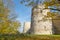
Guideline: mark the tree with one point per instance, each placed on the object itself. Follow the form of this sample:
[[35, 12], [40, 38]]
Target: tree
[[31, 2], [7, 25], [36, 2], [49, 4]]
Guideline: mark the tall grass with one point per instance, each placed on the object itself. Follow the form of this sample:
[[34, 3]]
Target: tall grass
[[28, 37]]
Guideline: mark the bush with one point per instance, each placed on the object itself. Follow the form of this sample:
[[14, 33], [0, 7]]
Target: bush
[[28, 37]]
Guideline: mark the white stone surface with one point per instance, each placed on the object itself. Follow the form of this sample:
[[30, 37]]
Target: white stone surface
[[26, 27], [45, 11], [38, 24]]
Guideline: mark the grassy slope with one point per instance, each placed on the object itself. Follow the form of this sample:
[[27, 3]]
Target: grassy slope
[[29, 37]]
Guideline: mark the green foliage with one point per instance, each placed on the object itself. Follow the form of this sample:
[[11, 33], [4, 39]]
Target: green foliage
[[28, 37], [36, 2], [51, 3], [52, 15], [7, 26], [31, 2]]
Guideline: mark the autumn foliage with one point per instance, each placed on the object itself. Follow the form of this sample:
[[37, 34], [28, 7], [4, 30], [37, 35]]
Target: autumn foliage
[[7, 25]]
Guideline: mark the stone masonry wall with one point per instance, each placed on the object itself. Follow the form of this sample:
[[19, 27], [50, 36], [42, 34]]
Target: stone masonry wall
[[26, 27], [39, 25]]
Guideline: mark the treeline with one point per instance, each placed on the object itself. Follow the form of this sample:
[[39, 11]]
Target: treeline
[[8, 22]]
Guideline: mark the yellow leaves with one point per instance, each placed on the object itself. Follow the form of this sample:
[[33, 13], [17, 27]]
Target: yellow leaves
[[52, 15], [48, 4], [1, 15], [53, 2], [57, 5], [7, 26], [16, 23]]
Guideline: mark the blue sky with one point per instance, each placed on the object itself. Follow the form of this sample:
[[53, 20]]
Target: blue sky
[[23, 13]]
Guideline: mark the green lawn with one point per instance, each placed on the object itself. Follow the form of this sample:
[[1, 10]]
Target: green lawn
[[28, 37]]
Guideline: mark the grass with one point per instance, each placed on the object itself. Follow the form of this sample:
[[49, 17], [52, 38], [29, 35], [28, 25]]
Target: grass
[[28, 37]]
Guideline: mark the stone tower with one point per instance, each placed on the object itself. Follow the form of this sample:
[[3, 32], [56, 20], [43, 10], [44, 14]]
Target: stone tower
[[39, 24], [44, 25], [26, 28]]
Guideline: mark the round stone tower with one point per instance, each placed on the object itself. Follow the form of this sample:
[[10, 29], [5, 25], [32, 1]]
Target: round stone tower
[[39, 23]]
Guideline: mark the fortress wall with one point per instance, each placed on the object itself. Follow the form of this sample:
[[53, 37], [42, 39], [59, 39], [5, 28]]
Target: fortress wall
[[39, 25], [56, 24], [26, 27]]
